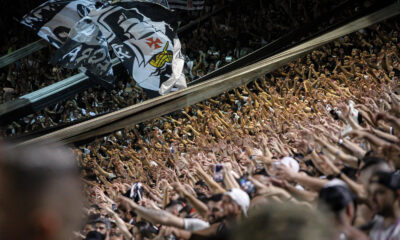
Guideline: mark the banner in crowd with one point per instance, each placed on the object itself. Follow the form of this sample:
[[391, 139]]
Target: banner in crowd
[[186, 4], [86, 48], [54, 19], [142, 36]]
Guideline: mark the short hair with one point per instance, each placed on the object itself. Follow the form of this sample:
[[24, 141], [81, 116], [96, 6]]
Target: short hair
[[390, 180], [284, 222], [262, 171], [371, 160], [201, 196], [146, 229], [336, 198], [350, 172], [215, 198], [92, 218], [105, 221], [201, 183], [32, 169], [41, 176]]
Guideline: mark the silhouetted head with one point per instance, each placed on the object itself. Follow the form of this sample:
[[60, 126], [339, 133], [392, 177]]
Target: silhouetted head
[[40, 195]]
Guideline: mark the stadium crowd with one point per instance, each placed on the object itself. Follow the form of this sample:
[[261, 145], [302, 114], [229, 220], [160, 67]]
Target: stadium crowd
[[228, 35], [319, 135], [309, 151]]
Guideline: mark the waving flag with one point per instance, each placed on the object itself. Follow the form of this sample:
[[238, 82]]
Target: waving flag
[[162, 2], [142, 36], [177, 80], [54, 19], [86, 49]]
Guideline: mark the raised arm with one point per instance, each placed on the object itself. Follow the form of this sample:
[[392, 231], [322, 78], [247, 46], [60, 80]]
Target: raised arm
[[155, 216], [120, 223], [198, 205], [215, 187], [312, 183]]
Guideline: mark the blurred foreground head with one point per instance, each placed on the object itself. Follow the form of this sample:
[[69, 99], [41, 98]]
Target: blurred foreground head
[[285, 222], [40, 195]]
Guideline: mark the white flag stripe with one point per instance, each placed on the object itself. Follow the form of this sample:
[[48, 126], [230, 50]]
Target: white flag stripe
[[177, 81], [145, 47], [65, 14]]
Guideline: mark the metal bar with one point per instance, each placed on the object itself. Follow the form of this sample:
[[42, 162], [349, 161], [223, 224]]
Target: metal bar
[[46, 96], [199, 20], [40, 44], [22, 52], [169, 103], [59, 91]]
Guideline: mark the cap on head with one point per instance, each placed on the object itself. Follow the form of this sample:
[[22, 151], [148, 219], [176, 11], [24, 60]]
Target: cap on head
[[369, 161], [240, 197], [291, 163]]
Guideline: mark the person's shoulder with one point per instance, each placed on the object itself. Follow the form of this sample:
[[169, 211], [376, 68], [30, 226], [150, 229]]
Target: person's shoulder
[[354, 233], [396, 230], [377, 221], [377, 225], [209, 232]]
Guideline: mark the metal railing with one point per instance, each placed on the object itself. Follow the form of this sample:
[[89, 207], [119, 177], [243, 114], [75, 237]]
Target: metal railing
[[159, 106]]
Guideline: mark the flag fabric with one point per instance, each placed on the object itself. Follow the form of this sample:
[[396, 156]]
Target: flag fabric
[[86, 48], [162, 2], [142, 36], [177, 80], [189, 5], [54, 19]]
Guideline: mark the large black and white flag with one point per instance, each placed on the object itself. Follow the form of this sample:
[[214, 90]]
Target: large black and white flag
[[54, 19], [87, 49], [177, 80], [141, 33], [186, 4], [142, 36]]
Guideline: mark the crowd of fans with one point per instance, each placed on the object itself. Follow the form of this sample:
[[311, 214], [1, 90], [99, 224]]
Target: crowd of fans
[[309, 151], [240, 28]]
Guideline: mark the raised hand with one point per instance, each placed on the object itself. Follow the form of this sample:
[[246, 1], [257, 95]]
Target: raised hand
[[284, 172]]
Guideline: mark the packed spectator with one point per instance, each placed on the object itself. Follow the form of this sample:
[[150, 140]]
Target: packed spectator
[[309, 151], [319, 137], [224, 37]]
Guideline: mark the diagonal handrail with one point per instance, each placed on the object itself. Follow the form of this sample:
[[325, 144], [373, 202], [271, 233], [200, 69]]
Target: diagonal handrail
[[41, 43], [172, 102], [22, 52], [38, 100]]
